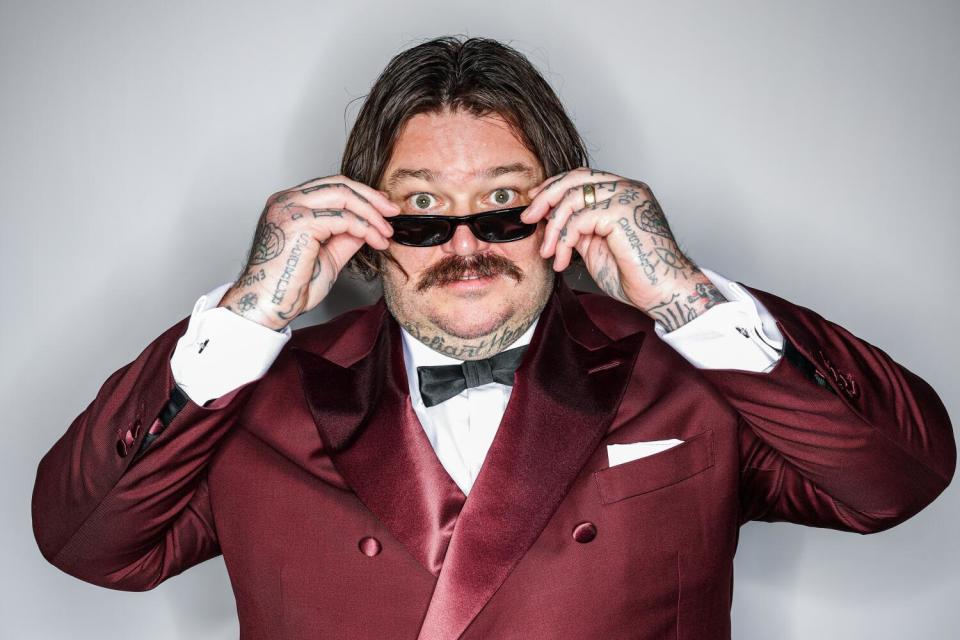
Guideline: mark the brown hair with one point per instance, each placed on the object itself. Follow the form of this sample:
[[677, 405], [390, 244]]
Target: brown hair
[[479, 75]]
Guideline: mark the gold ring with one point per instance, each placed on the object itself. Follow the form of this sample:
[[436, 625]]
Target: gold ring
[[589, 195]]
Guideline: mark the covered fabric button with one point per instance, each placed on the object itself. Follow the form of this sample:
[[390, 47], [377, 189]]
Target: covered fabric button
[[369, 546], [585, 532]]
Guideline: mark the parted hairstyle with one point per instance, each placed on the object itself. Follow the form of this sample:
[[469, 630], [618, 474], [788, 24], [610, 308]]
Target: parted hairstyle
[[478, 75]]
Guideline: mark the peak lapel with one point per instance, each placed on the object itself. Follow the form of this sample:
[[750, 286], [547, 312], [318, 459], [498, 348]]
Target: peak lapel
[[359, 399], [566, 394]]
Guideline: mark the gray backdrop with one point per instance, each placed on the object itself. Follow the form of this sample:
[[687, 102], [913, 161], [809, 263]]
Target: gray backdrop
[[807, 149]]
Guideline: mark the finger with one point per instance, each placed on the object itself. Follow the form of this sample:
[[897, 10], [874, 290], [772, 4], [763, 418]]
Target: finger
[[563, 253], [311, 182], [544, 197], [374, 197], [371, 234], [573, 201], [557, 219], [538, 188], [583, 225], [340, 249], [552, 192], [368, 201], [328, 223], [337, 195]]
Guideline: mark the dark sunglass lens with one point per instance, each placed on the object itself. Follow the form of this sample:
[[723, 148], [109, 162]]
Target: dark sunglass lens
[[502, 227], [417, 232]]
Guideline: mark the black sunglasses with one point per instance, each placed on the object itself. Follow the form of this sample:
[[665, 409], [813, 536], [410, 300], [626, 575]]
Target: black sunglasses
[[502, 225]]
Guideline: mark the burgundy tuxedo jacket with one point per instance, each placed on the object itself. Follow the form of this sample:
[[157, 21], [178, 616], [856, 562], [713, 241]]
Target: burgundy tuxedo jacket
[[336, 520]]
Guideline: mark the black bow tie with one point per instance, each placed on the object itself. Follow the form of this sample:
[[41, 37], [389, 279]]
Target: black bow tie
[[441, 383]]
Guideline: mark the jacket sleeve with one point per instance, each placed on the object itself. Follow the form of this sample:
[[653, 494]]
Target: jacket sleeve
[[119, 515], [836, 434]]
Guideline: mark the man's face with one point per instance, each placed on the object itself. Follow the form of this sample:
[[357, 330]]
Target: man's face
[[455, 164]]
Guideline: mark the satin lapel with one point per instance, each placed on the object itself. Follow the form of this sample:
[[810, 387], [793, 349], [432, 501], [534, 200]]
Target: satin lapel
[[566, 394], [373, 437]]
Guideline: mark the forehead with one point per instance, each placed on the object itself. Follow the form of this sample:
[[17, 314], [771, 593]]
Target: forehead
[[458, 147]]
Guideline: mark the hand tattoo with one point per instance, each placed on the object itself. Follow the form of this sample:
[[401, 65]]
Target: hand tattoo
[[649, 216], [267, 244]]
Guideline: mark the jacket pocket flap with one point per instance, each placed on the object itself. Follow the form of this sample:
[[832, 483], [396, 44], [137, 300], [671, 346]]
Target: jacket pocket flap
[[656, 471]]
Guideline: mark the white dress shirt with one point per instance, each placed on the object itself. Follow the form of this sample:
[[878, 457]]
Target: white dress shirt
[[221, 351], [462, 428]]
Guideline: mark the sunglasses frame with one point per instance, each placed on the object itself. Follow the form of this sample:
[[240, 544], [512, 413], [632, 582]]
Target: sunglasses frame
[[468, 220]]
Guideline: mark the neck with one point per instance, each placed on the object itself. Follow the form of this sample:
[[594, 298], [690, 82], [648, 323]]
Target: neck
[[473, 348]]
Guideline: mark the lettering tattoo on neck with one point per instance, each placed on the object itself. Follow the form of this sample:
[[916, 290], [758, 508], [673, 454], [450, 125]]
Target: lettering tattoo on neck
[[462, 349]]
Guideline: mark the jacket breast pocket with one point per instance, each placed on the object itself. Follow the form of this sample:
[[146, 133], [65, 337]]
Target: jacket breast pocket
[[657, 471]]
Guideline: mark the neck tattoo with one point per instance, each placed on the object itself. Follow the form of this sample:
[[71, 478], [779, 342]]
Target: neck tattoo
[[474, 349]]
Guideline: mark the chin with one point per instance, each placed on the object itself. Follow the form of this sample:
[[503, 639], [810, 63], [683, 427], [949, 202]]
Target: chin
[[472, 321]]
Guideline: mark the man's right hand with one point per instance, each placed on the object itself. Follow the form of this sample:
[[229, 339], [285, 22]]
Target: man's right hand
[[304, 237]]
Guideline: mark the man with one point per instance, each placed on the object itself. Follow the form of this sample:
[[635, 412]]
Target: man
[[610, 446]]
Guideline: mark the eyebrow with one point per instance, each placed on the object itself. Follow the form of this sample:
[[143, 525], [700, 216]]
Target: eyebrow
[[399, 175]]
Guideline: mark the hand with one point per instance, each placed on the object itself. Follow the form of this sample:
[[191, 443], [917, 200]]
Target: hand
[[303, 240], [625, 242]]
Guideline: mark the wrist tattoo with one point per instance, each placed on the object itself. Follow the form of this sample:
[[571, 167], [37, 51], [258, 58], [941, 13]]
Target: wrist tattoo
[[247, 303]]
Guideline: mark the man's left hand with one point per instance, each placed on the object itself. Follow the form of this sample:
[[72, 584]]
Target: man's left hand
[[625, 242]]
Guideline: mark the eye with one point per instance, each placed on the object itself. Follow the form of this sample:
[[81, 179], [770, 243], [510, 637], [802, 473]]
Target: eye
[[421, 200], [503, 196]]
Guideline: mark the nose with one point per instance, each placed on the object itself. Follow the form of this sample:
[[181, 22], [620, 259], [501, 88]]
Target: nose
[[464, 243]]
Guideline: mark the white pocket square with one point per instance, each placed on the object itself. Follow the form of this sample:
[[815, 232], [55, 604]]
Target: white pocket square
[[620, 453]]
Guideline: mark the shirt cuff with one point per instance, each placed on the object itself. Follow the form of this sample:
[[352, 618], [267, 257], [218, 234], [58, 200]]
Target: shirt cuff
[[738, 334], [221, 350]]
